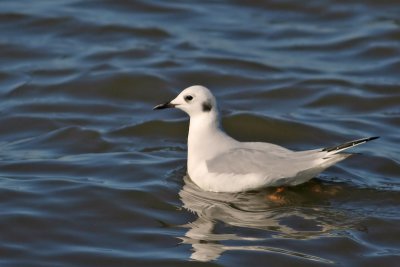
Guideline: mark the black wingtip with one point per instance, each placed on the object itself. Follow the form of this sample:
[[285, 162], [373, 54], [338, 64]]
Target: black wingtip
[[349, 144], [372, 138]]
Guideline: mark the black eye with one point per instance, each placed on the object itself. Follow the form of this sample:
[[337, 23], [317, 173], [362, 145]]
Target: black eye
[[188, 98]]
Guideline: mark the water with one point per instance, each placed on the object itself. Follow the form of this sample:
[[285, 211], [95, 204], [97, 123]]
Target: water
[[91, 176]]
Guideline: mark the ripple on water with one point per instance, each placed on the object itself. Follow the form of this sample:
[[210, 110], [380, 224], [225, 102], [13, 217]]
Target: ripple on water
[[281, 223], [91, 175]]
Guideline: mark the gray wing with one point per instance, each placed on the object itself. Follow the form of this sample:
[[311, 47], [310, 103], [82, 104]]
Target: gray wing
[[249, 160]]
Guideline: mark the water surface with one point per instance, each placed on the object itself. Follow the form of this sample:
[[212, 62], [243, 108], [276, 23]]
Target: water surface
[[91, 176]]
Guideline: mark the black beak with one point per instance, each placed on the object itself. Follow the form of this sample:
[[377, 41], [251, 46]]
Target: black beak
[[165, 105]]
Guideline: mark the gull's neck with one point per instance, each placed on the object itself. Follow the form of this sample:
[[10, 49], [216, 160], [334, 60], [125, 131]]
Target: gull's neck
[[206, 139], [203, 123]]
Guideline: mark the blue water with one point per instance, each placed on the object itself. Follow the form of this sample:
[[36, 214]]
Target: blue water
[[91, 176]]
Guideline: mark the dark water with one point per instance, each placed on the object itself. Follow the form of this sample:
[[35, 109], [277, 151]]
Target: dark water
[[91, 176]]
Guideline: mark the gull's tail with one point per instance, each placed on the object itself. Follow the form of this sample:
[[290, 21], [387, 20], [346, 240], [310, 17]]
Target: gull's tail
[[333, 156], [327, 157], [347, 145]]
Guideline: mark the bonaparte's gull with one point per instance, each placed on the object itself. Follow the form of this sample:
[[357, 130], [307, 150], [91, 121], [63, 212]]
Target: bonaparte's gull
[[217, 162]]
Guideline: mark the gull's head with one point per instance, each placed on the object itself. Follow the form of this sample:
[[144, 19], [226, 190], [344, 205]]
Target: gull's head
[[193, 100]]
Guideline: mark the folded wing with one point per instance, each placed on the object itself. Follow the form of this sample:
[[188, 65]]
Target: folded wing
[[246, 160]]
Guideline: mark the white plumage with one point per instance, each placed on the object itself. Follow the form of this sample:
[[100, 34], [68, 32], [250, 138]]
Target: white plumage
[[219, 163]]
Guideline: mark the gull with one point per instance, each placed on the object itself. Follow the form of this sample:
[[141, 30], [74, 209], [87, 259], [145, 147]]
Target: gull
[[216, 162]]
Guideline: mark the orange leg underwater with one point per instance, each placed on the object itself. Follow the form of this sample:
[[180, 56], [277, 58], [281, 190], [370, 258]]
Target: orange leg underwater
[[277, 196]]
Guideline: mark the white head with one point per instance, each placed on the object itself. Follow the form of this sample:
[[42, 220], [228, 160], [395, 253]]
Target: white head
[[194, 100]]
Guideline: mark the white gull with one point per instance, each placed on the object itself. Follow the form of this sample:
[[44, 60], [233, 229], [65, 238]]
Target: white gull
[[217, 162]]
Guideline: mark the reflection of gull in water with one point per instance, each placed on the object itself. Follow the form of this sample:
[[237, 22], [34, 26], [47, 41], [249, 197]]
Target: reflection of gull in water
[[251, 210]]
